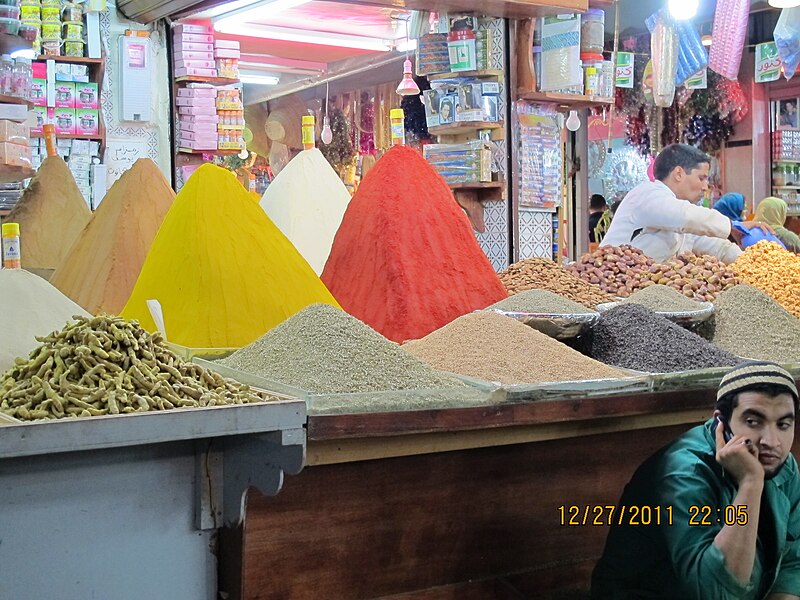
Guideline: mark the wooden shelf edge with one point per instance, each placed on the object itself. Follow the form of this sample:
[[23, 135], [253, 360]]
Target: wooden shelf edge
[[217, 152], [72, 136], [71, 59], [211, 80], [477, 185], [15, 100], [453, 74], [567, 100], [12, 174], [459, 127]]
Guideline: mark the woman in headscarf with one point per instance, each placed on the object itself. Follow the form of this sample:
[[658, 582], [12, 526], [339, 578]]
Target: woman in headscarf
[[731, 205], [773, 211]]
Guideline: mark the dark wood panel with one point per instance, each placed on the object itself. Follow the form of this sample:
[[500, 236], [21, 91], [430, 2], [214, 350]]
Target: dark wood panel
[[329, 427], [395, 526]]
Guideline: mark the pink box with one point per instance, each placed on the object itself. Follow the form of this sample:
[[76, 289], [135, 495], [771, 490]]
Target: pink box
[[228, 44], [87, 121], [195, 72], [39, 70], [183, 47], [196, 102], [17, 133], [41, 113], [197, 93], [201, 136], [196, 126], [64, 121], [194, 38], [87, 96], [193, 56], [39, 92], [226, 53], [15, 154], [65, 94], [192, 28], [197, 110], [209, 144], [195, 64], [200, 118]]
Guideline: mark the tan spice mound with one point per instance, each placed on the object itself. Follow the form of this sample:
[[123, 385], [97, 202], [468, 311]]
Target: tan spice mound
[[544, 274], [100, 270], [51, 215], [490, 346], [774, 271]]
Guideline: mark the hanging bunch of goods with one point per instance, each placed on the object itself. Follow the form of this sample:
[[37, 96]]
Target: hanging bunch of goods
[[340, 152]]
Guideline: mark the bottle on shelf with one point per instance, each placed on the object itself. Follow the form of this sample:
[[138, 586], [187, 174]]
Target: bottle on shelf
[[6, 74]]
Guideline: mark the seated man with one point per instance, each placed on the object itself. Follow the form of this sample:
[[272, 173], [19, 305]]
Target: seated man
[[729, 496]]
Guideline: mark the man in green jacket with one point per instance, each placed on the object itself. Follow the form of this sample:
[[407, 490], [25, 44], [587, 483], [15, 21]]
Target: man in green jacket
[[728, 500]]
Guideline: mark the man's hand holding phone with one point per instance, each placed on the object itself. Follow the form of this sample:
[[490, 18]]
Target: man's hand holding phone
[[737, 454]]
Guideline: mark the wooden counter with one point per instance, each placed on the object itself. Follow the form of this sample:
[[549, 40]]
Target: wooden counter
[[449, 504]]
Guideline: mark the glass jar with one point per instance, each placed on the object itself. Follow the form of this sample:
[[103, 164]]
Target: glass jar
[[6, 74], [21, 78], [778, 177], [593, 31]]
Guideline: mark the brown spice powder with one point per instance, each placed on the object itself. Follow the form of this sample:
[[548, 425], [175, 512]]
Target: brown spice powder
[[490, 346], [100, 270], [51, 215]]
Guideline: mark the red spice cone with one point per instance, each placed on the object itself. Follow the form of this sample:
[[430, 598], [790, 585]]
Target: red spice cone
[[405, 260]]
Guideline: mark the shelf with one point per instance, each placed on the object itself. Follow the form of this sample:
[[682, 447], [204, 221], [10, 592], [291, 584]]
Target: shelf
[[10, 43], [786, 160], [72, 136], [786, 187], [569, 101], [477, 185], [453, 74], [211, 80], [11, 174], [459, 127], [216, 152], [71, 59], [15, 100]]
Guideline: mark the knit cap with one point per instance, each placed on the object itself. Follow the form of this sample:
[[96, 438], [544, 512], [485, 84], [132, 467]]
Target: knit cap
[[750, 373]]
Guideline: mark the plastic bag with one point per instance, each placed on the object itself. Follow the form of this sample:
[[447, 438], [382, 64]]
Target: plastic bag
[[730, 28], [787, 39], [664, 53], [755, 235], [692, 55]]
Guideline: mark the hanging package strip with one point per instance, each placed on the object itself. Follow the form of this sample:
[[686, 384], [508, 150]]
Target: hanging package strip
[[664, 52], [787, 39], [730, 28], [692, 55]]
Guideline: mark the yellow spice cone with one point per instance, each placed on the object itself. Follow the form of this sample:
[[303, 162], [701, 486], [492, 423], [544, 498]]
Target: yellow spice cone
[[222, 271]]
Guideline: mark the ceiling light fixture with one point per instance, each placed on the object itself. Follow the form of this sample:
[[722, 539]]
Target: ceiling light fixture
[[683, 9], [784, 3], [407, 87], [259, 10], [287, 34], [258, 78]]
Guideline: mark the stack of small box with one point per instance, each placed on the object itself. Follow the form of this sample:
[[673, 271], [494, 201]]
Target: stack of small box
[[227, 55], [71, 104], [461, 163], [14, 147], [786, 145], [230, 111], [194, 51], [80, 163], [197, 117]]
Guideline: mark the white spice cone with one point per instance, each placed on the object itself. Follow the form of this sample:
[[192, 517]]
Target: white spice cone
[[307, 201]]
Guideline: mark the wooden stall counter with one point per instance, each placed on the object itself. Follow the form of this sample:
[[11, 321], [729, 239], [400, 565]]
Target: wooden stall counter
[[451, 503]]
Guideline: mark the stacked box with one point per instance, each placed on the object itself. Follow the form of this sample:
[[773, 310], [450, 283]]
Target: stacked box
[[786, 145], [14, 144], [80, 164], [193, 47], [227, 55], [461, 163], [230, 111], [197, 117], [432, 54]]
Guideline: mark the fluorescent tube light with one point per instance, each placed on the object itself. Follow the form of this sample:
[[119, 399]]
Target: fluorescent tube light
[[24, 53], [258, 79], [406, 46], [784, 3], [236, 27], [258, 11]]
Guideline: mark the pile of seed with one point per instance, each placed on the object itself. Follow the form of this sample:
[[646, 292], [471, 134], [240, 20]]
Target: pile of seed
[[540, 301], [324, 350], [616, 270], [701, 277], [492, 347], [106, 366], [544, 274], [750, 323], [634, 337], [662, 298], [774, 271]]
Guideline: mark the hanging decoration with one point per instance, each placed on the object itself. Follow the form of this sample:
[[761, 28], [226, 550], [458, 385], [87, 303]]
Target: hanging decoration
[[728, 33], [366, 127], [664, 53], [787, 39], [692, 56], [415, 123], [624, 169]]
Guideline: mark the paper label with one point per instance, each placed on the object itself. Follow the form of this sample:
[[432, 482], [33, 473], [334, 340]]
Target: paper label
[[768, 62], [698, 81], [624, 70]]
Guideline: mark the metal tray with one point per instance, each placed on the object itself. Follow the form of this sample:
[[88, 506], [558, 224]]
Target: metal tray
[[689, 317], [483, 394], [561, 326], [187, 353]]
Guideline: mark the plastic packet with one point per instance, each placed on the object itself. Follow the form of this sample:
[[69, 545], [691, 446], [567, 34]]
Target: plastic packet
[[664, 53], [787, 39], [692, 55], [730, 28]]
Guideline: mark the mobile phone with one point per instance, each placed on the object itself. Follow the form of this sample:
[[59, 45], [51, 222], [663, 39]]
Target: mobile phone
[[727, 434]]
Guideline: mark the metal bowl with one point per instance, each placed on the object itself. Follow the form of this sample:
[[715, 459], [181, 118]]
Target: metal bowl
[[689, 317], [561, 326]]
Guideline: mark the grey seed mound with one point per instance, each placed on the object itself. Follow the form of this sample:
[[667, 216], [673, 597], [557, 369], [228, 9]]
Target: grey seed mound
[[662, 298], [324, 350], [634, 337], [753, 325], [493, 347], [540, 301]]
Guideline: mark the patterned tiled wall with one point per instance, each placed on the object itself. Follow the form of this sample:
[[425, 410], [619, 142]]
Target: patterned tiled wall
[[495, 240], [535, 234]]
